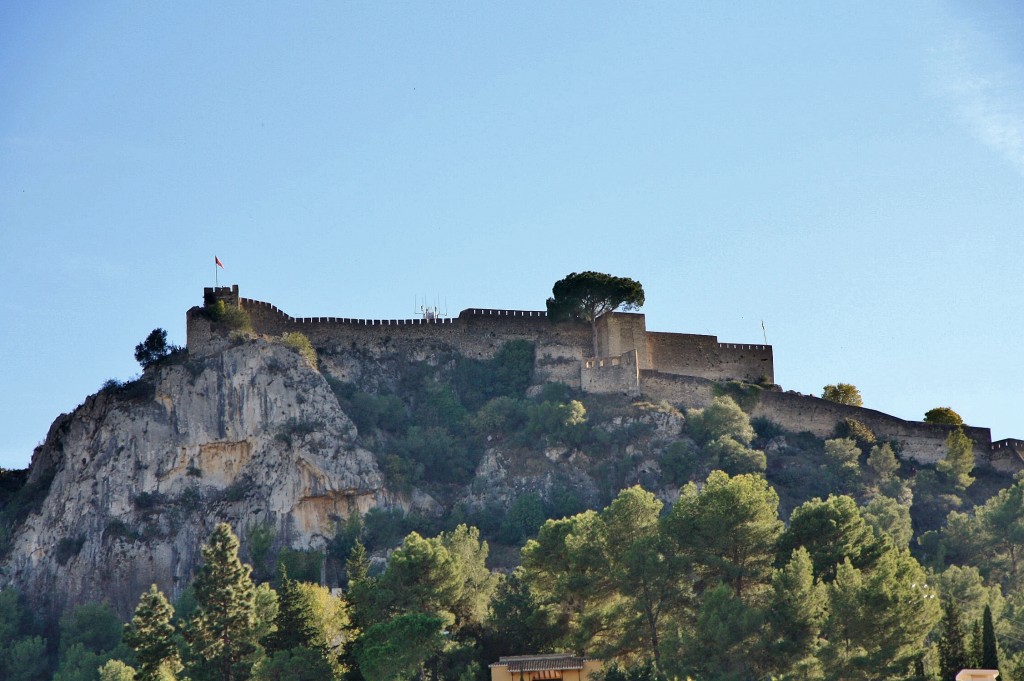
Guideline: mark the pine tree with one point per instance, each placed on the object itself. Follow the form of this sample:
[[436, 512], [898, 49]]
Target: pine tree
[[959, 461], [221, 633], [151, 635], [989, 650], [295, 621], [882, 460], [357, 565], [952, 653]]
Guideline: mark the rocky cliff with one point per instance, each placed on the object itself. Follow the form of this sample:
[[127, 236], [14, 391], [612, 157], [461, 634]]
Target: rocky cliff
[[142, 473]]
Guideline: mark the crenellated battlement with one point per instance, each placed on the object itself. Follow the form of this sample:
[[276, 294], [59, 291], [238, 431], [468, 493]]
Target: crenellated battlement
[[479, 332]]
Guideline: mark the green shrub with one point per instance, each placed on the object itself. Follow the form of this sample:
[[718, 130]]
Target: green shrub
[[555, 392], [560, 422], [299, 342], [854, 429], [723, 418], [959, 460], [734, 458], [294, 429], [438, 407], [564, 501], [766, 429], [68, 548], [401, 473], [842, 393], [882, 460], [842, 456], [524, 518], [119, 529], [237, 491], [746, 395], [501, 415], [259, 539], [385, 412], [680, 462], [145, 501], [943, 415], [230, 317], [384, 528], [507, 374], [441, 457], [190, 499]]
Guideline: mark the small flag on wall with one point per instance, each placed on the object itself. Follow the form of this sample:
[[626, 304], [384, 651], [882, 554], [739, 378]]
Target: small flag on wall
[[218, 262]]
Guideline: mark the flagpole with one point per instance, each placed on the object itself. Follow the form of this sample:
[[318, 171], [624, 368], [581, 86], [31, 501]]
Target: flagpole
[[216, 274]]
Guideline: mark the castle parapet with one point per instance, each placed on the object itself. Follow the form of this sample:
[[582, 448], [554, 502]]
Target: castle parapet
[[619, 374], [479, 332], [226, 294]]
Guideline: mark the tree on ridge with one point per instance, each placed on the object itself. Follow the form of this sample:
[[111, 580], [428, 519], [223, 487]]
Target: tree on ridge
[[588, 295]]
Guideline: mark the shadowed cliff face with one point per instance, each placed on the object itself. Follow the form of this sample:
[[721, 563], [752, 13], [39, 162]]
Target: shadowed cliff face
[[142, 474]]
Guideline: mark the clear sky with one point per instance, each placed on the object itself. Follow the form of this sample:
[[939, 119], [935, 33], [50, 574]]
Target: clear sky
[[851, 173]]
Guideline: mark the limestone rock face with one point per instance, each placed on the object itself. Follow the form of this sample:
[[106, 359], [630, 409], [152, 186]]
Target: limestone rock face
[[142, 474]]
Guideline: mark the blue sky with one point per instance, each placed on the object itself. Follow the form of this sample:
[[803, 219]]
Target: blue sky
[[850, 173]]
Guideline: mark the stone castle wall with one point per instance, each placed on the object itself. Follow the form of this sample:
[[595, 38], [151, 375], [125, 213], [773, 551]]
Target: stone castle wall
[[611, 374], [684, 354], [479, 332], [922, 442], [917, 441]]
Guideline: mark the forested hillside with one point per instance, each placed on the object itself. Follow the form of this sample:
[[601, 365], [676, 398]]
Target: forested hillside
[[490, 516]]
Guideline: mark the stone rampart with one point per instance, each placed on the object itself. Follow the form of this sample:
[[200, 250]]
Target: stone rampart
[[480, 332], [687, 392], [685, 354], [477, 332], [619, 374], [704, 356], [919, 441], [1007, 455]]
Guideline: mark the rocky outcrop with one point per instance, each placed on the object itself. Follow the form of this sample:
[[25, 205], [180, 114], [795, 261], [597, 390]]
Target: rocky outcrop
[[141, 474]]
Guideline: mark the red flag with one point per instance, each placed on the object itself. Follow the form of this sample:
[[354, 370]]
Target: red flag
[[219, 263]]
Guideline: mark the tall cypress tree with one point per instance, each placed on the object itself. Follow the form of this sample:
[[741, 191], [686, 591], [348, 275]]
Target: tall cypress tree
[[952, 651], [151, 635], [974, 647], [222, 632], [989, 650]]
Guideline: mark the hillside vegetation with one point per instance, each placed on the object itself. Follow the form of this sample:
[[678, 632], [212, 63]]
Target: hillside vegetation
[[489, 515]]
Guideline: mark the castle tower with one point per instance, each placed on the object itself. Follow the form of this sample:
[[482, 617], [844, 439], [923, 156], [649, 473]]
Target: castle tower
[[228, 294]]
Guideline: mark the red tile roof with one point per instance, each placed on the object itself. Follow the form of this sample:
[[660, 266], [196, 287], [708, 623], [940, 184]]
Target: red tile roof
[[536, 663]]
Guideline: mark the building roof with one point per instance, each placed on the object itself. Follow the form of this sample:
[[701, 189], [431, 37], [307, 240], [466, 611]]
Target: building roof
[[536, 663]]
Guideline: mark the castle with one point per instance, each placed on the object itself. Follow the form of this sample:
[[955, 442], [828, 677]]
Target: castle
[[684, 369]]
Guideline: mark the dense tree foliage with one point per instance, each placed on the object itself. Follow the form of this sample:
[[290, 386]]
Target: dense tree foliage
[[842, 393], [151, 635], [588, 295], [222, 631], [783, 555], [943, 415], [154, 348], [959, 461]]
